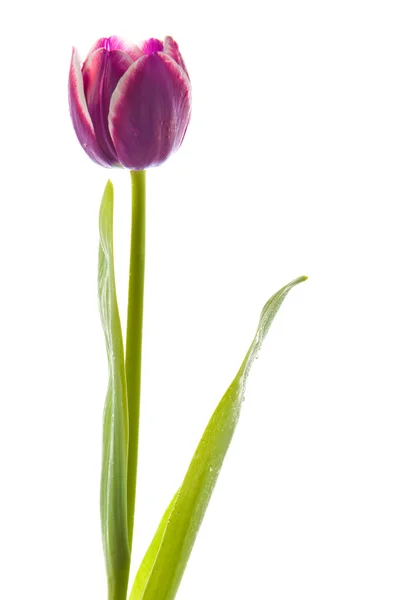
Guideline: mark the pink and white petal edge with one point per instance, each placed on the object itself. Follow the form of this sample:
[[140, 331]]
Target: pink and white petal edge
[[101, 43], [171, 48], [119, 43], [114, 42], [80, 114]]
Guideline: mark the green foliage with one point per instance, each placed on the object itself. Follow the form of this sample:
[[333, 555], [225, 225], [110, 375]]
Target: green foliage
[[113, 499], [161, 571]]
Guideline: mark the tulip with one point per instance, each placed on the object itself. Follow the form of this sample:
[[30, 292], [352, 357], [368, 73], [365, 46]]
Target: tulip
[[130, 105]]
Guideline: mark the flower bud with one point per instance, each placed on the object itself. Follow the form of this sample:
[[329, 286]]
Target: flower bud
[[130, 105]]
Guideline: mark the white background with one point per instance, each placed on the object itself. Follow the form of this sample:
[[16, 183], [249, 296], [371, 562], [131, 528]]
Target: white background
[[290, 166]]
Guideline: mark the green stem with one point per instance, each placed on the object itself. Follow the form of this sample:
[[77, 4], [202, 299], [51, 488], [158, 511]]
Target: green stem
[[134, 333], [118, 587]]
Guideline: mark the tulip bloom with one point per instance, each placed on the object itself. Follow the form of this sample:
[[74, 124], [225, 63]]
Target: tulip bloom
[[130, 105]]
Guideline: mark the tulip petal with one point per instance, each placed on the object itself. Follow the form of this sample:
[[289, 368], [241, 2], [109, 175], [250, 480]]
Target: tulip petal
[[80, 116], [149, 111], [101, 43], [172, 49], [115, 42], [152, 45], [101, 73]]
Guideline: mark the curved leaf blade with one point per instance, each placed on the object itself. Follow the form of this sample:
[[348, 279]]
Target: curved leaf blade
[[162, 568], [113, 494], [144, 573]]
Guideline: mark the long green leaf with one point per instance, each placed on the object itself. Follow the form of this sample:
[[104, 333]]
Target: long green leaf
[[162, 568], [113, 496]]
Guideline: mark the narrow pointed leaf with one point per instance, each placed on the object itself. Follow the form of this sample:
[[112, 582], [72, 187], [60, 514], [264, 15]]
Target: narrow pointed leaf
[[161, 571], [146, 568], [113, 495]]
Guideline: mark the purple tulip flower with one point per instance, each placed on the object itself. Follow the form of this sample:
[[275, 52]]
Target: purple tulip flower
[[130, 105]]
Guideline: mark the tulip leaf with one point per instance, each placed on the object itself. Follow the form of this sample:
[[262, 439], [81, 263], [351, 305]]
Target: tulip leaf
[[162, 568], [113, 495]]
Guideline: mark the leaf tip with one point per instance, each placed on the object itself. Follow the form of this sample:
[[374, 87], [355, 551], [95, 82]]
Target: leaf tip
[[109, 186], [297, 281]]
